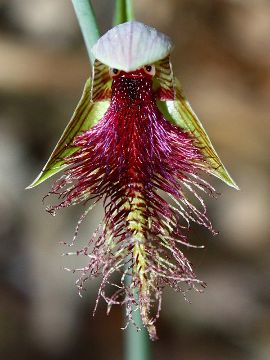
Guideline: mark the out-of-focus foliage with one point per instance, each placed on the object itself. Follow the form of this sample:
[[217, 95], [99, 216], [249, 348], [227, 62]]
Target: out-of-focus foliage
[[222, 59]]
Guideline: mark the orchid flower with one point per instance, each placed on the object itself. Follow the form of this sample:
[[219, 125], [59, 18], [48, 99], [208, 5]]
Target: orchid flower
[[135, 144]]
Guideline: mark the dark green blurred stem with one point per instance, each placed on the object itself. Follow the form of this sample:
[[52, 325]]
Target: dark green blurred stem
[[123, 11], [137, 343], [88, 24]]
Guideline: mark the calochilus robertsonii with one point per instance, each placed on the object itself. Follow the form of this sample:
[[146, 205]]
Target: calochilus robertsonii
[[135, 143]]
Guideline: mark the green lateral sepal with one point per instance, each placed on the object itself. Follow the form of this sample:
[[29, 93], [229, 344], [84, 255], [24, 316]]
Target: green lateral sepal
[[180, 113], [85, 116]]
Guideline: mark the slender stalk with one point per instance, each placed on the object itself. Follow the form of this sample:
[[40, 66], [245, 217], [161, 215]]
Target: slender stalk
[[136, 342], [123, 11], [88, 24]]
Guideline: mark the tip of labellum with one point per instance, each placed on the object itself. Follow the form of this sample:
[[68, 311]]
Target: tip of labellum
[[131, 45]]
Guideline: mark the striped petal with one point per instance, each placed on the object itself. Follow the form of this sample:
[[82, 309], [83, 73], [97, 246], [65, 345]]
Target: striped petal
[[101, 82], [164, 80]]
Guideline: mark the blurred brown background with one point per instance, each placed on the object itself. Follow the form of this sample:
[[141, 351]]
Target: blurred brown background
[[222, 57]]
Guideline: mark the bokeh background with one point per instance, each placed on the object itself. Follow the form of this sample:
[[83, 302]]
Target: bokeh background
[[222, 57]]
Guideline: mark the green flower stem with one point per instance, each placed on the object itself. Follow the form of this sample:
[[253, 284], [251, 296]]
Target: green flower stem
[[123, 11], [136, 342], [88, 24]]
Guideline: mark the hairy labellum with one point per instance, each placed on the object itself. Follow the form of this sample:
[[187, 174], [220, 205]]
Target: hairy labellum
[[129, 159]]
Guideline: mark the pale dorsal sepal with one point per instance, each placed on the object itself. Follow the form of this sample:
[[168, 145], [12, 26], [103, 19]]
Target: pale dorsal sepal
[[131, 45]]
